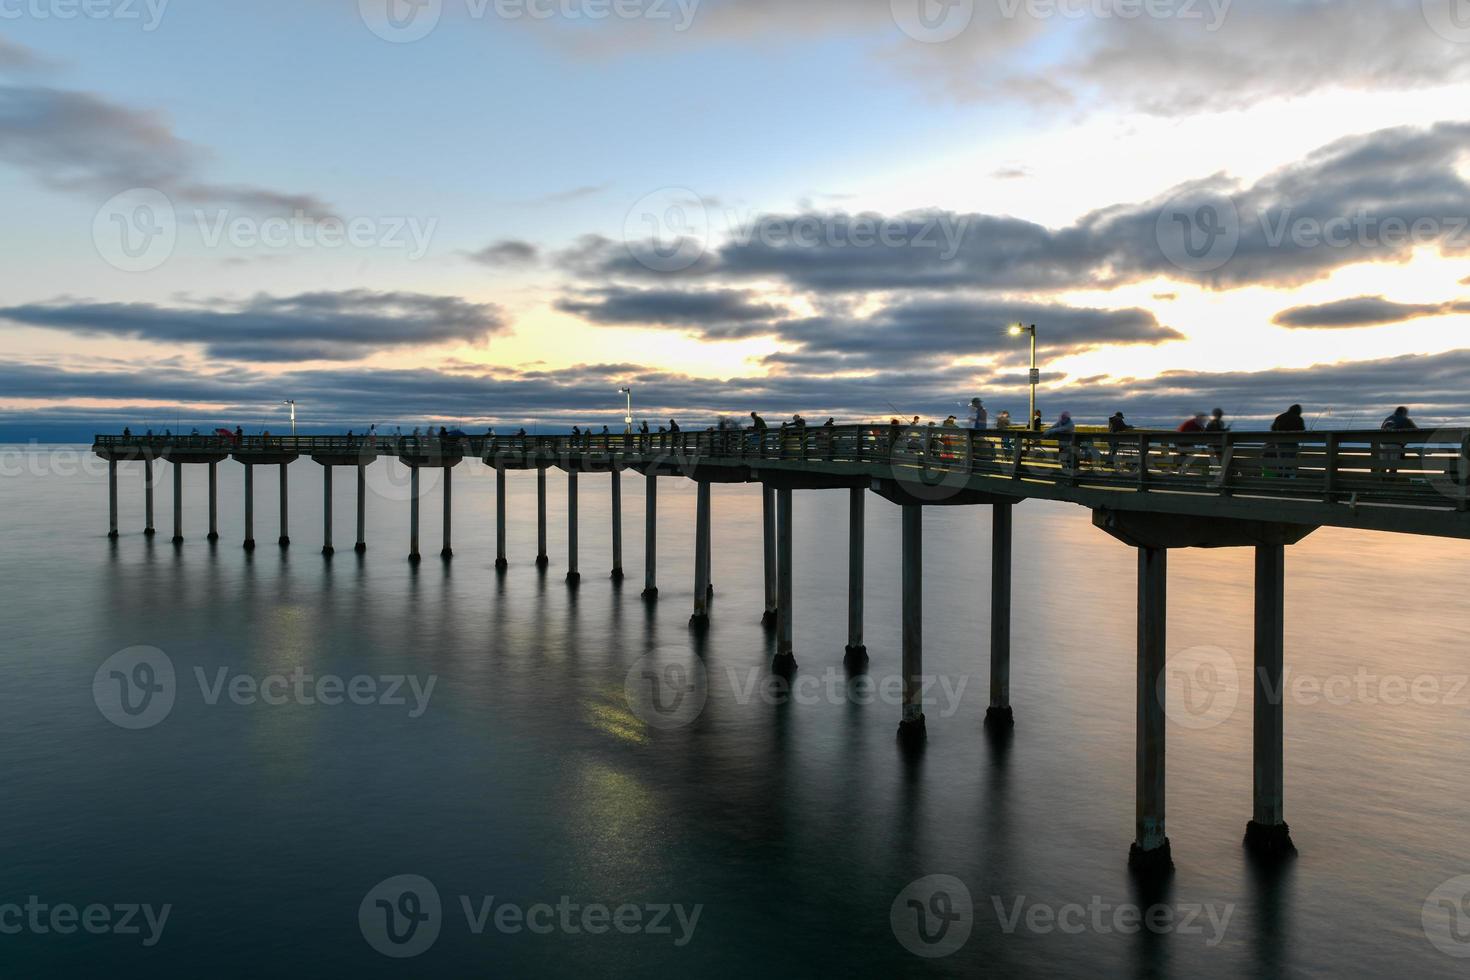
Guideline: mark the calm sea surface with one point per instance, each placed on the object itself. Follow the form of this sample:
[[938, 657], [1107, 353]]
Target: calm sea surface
[[794, 824]]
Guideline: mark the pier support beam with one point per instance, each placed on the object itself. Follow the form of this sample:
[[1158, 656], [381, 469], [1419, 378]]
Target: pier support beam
[[541, 557], [112, 499], [327, 548], [700, 619], [413, 514], [911, 728], [1150, 851], [213, 501], [447, 552], [856, 654], [1267, 835], [249, 506], [178, 503], [999, 714], [768, 527], [285, 540], [573, 575], [148, 498], [617, 524], [785, 657], [650, 537], [501, 562], [361, 546]]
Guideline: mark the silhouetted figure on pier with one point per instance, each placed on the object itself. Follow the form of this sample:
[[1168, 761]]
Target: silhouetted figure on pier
[[127, 433], [1399, 421], [1217, 422], [1036, 424], [979, 417], [1288, 421]]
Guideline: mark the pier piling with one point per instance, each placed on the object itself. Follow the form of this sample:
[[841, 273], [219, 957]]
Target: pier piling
[[148, 497], [650, 537], [768, 528], [413, 514], [361, 546], [700, 618], [617, 524], [285, 540], [178, 503], [249, 507], [1150, 851], [112, 499], [327, 548], [999, 714], [573, 575], [542, 560], [447, 552], [1267, 835], [213, 501], [785, 662], [911, 728], [856, 654], [501, 562]]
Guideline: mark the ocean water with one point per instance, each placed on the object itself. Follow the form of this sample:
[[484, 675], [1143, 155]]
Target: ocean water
[[538, 772]]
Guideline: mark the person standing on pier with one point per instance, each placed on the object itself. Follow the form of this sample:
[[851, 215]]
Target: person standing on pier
[[979, 417], [1288, 421], [1399, 421]]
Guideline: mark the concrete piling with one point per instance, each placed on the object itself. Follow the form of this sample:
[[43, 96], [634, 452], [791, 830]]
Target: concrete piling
[[413, 514], [911, 728], [501, 562], [213, 501], [650, 537], [999, 714], [617, 524], [700, 618], [361, 546], [542, 560], [785, 662], [1150, 852], [768, 528], [112, 499], [178, 503], [447, 552], [573, 575], [856, 654], [285, 540], [1267, 835], [249, 507], [148, 498], [327, 548]]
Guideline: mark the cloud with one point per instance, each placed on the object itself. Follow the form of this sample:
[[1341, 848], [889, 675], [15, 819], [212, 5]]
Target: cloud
[[1362, 311], [719, 314], [19, 58], [573, 194], [340, 326], [80, 142], [507, 253], [1370, 198]]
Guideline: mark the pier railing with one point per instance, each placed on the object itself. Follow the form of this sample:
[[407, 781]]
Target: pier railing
[[1415, 468]]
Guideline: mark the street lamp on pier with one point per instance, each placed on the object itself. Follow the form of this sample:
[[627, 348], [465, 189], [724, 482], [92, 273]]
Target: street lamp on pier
[[292, 403], [1016, 331], [628, 418]]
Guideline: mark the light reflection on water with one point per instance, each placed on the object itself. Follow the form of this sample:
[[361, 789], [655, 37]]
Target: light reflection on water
[[530, 776]]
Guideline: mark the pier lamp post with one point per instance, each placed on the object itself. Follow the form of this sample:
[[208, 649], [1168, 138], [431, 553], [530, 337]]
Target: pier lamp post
[[1016, 331], [628, 418], [292, 403]]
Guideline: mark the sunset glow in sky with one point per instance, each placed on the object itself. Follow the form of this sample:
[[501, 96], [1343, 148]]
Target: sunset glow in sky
[[501, 211]]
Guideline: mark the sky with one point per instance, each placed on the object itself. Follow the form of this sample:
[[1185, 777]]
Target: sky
[[500, 212]]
